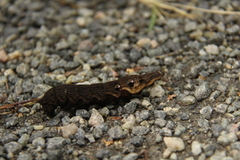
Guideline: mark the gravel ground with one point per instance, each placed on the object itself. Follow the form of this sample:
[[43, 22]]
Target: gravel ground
[[192, 113]]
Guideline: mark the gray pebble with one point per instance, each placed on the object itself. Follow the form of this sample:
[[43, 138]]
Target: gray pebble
[[166, 132], [35, 135], [83, 113], [203, 124], [24, 156], [159, 114], [233, 29], [206, 112], [11, 121], [116, 132], [23, 110], [90, 138], [53, 122], [179, 130], [137, 141], [104, 153], [141, 116], [23, 140], [236, 145], [22, 69], [38, 142], [140, 130], [209, 149], [202, 91], [97, 132], [144, 61], [160, 122], [157, 91], [221, 108], [134, 55], [55, 143], [8, 138], [54, 154], [80, 133], [131, 156], [66, 120], [184, 116], [130, 107], [13, 147], [236, 104], [216, 129], [188, 100], [227, 138], [214, 95], [190, 26]]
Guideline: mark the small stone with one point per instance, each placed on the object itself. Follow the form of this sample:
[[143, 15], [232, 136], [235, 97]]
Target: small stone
[[157, 91], [188, 100], [103, 153], [22, 69], [236, 145], [206, 112], [116, 132], [55, 143], [8, 138], [209, 149], [140, 130], [216, 129], [23, 110], [141, 42], [190, 26], [227, 138], [24, 139], [233, 29], [137, 141], [221, 108], [13, 147], [160, 122], [90, 138], [131, 156], [69, 130], [130, 107], [212, 49], [54, 154], [202, 91], [53, 122], [80, 133], [196, 148], [97, 132], [129, 122], [38, 142], [38, 127], [179, 130], [24, 156], [174, 143], [143, 115], [144, 61], [96, 118], [159, 114], [11, 121], [3, 56]]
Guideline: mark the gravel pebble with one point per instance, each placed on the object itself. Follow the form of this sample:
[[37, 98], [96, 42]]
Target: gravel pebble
[[69, 130], [96, 118], [174, 143], [157, 91], [196, 148], [202, 91], [140, 130], [227, 138], [131, 156], [23, 156], [38, 142], [55, 143], [23, 140], [116, 132], [13, 147], [188, 100]]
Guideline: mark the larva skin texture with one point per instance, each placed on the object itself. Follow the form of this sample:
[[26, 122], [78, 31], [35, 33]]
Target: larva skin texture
[[79, 96]]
